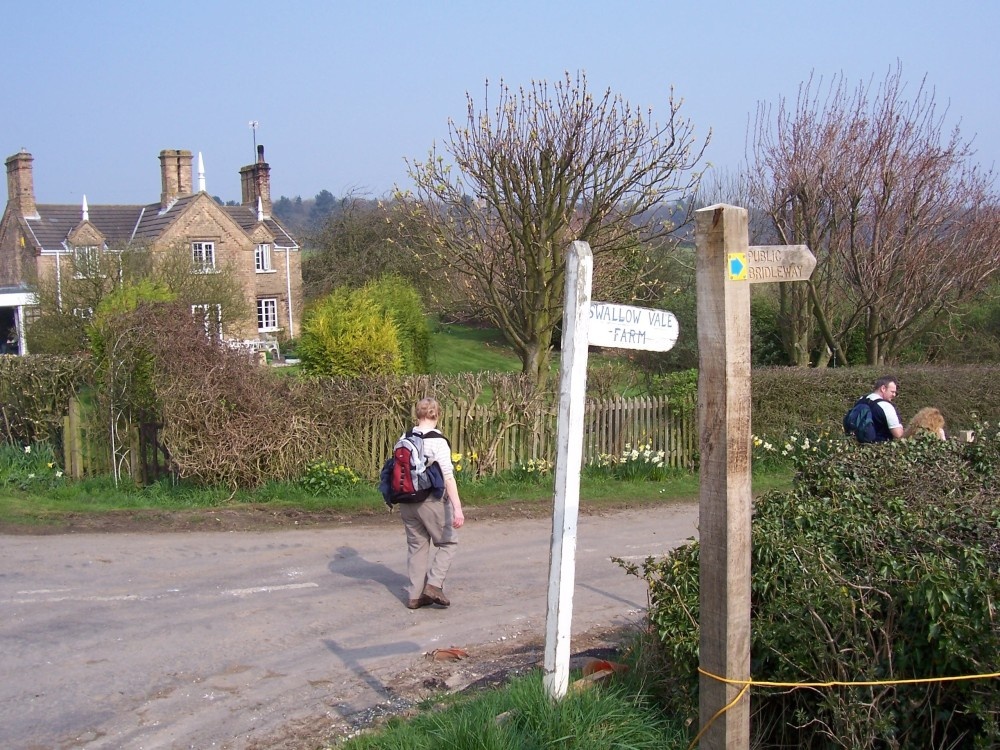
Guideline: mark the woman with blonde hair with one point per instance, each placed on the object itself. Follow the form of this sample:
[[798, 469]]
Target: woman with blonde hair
[[431, 525]]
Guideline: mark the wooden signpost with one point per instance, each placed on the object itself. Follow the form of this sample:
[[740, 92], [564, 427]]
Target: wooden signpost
[[726, 265], [584, 324]]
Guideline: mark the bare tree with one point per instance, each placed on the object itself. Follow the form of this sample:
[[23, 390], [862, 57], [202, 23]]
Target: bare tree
[[902, 223], [537, 169], [354, 246]]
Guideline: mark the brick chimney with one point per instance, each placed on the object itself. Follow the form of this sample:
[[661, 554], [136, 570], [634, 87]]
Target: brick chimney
[[20, 185], [175, 175], [255, 180]]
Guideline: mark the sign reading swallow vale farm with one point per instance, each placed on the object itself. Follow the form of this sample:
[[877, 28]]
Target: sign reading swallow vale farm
[[629, 327]]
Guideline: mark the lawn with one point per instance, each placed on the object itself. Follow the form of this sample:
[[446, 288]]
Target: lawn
[[459, 348]]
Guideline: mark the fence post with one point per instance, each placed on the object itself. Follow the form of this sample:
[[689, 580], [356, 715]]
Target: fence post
[[74, 433]]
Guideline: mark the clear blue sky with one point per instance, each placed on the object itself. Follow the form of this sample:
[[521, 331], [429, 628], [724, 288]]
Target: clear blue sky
[[343, 91]]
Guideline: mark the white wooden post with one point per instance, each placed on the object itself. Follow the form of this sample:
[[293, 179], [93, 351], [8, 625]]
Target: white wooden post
[[584, 323], [569, 457]]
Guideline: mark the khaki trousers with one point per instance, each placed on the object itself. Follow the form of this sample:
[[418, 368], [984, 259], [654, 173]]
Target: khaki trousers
[[428, 523]]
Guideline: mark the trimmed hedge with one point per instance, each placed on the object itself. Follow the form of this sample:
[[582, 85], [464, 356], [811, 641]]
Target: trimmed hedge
[[786, 399]]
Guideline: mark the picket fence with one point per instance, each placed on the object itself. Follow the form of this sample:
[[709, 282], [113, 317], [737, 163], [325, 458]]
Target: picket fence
[[489, 442]]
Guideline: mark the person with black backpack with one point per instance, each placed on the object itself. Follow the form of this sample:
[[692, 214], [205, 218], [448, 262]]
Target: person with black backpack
[[873, 418], [434, 520]]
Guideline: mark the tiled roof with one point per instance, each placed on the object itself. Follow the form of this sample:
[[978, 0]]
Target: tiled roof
[[246, 217], [155, 220], [120, 224], [55, 222]]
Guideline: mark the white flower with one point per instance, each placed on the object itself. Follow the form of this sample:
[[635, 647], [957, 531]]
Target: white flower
[[58, 473], [788, 447], [27, 449]]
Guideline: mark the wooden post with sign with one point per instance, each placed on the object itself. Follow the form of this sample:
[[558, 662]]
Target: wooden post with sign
[[726, 265], [584, 323], [569, 457]]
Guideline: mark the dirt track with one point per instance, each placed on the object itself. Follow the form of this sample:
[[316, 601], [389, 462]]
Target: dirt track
[[280, 639]]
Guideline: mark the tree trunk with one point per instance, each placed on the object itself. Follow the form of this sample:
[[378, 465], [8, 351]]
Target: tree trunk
[[794, 321], [535, 363]]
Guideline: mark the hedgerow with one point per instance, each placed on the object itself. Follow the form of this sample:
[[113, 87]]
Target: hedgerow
[[882, 564]]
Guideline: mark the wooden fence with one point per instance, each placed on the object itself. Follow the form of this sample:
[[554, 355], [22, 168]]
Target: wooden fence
[[499, 441]]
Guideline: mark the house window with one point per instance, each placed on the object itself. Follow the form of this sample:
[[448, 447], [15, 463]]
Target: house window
[[267, 314], [212, 317], [203, 256], [83, 313], [87, 262], [262, 257]]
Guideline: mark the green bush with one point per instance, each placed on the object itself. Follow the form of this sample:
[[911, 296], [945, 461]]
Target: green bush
[[35, 392], [347, 334], [57, 335], [402, 304], [883, 564], [379, 329]]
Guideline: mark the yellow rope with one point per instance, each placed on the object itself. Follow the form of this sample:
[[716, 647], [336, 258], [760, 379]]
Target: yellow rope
[[746, 684], [719, 713], [837, 683]]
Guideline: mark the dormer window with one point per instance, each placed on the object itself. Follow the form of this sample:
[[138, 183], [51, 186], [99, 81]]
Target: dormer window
[[203, 256], [262, 257]]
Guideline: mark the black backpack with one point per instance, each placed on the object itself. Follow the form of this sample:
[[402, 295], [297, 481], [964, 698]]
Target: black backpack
[[866, 421], [404, 477]]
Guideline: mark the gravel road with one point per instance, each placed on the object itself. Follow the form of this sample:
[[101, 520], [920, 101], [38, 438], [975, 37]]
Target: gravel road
[[242, 640]]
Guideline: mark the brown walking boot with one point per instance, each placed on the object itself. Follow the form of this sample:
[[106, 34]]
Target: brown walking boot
[[436, 595]]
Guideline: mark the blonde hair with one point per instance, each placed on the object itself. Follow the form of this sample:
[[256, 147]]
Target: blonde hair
[[927, 419], [428, 408]]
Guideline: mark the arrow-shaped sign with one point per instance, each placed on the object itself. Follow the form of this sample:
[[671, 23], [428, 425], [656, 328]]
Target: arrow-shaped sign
[[769, 263], [737, 267]]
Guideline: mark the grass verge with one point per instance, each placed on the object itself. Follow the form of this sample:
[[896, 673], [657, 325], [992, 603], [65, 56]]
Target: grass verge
[[31, 501], [521, 715]]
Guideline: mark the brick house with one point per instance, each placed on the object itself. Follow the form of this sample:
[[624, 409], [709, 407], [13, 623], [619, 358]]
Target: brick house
[[39, 240]]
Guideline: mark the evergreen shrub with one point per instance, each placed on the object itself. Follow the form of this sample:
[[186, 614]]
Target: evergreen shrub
[[348, 334], [402, 304]]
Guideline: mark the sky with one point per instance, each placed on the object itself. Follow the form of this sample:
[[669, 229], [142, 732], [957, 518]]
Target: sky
[[345, 92]]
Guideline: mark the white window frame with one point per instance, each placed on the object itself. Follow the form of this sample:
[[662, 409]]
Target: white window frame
[[204, 312], [203, 256], [86, 262], [262, 258], [267, 314]]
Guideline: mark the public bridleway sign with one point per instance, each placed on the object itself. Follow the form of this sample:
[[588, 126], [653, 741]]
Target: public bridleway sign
[[762, 264]]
